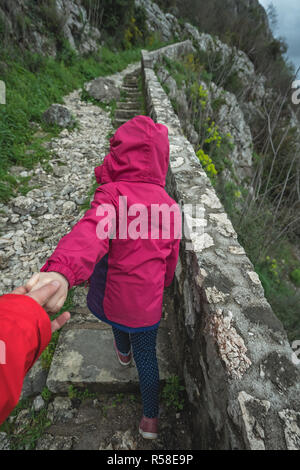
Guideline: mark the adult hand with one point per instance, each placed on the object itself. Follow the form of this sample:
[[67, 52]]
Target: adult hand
[[42, 296], [54, 303]]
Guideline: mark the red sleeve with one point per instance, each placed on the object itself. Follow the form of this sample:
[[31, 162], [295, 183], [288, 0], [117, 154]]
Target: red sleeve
[[172, 262], [25, 331], [79, 251]]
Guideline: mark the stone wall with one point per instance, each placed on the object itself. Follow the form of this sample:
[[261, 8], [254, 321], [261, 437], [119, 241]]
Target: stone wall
[[230, 348]]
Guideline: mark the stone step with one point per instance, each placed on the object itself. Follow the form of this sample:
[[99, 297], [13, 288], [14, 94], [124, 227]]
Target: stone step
[[131, 80], [131, 90], [130, 85], [135, 97], [129, 115], [129, 108], [134, 76], [128, 104], [86, 358], [126, 112], [118, 122]]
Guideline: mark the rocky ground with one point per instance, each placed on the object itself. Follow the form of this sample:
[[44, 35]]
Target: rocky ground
[[99, 406], [86, 400]]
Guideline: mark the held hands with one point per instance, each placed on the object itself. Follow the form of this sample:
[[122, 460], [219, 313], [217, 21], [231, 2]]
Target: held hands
[[55, 302], [42, 296]]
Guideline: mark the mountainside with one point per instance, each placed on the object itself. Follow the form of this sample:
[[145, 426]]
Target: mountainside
[[71, 73], [36, 25]]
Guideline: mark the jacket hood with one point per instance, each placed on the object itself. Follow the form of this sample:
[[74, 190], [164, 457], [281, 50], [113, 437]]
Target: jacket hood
[[139, 152]]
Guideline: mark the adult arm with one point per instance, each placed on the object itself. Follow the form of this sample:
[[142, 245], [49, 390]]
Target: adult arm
[[25, 331]]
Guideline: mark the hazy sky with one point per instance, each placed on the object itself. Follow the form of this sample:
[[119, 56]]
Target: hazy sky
[[288, 25]]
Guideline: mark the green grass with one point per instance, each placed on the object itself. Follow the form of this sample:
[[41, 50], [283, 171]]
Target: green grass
[[141, 98], [275, 269], [295, 277], [33, 83], [81, 395], [284, 300], [47, 354], [172, 393], [31, 428], [87, 204]]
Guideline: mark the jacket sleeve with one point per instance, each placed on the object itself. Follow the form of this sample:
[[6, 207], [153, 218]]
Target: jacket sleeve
[[171, 262], [78, 252], [25, 331]]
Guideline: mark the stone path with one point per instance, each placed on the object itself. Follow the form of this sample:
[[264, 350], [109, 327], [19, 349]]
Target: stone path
[[130, 107], [94, 402], [109, 417]]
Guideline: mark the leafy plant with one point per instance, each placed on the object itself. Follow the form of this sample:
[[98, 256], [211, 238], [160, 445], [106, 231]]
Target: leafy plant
[[295, 277], [31, 426], [73, 392], [119, 398], [207, 164], [47, 354], [172, 393], [53, 19], [46, 394], [132, 34]]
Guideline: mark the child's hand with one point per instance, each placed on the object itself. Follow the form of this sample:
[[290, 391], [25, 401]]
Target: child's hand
[[38, 280], [41, 296]]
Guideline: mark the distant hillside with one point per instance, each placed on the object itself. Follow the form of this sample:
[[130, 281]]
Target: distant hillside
[[240, 23]]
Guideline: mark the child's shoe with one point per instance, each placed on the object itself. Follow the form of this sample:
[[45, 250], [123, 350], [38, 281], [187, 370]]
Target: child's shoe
[[123, 359], [149, 428]]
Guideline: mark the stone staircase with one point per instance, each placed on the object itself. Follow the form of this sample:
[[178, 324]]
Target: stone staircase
[[131, 106], [84, 361], [85, 357]]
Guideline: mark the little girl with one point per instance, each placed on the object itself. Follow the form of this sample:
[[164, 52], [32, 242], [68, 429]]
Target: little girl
[[129, 267]]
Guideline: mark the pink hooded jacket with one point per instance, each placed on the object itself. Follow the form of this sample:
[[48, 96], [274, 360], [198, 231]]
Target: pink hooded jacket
[[127, 274]]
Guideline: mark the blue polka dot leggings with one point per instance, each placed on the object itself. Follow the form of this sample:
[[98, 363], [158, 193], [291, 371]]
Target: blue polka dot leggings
[[144, 353]]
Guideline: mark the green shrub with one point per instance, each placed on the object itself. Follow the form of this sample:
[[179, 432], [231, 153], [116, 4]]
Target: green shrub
[[2, 28], [295, 277], [173, 393], [46, 394], [67, 54], [47, 354], [233, 83], [81, 395], [53, 19]]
